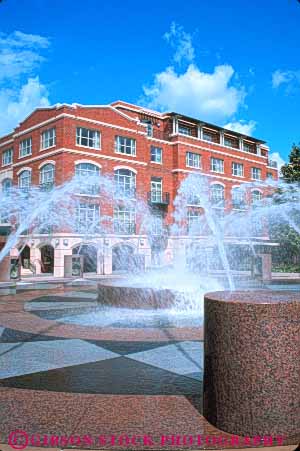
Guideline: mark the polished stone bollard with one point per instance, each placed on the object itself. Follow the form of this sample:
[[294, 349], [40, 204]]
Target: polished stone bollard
[[252, 362]]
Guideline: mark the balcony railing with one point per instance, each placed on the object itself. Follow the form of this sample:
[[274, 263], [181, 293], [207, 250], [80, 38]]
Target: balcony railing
[[158, 198]]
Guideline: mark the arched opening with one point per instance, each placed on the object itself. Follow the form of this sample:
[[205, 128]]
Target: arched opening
[[89, 253], [47, 175], [122, 258], [25, 180], [88, 175], [25, 257], [47, 259], [6, 185]]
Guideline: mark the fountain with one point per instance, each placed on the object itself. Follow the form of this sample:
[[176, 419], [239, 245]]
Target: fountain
[[212, 251]]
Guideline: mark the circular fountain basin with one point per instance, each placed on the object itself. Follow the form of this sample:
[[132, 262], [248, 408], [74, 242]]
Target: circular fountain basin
[[252, 362], [137, 296]]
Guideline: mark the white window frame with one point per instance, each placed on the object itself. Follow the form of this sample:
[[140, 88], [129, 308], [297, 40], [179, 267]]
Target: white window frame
[[157, 223], [238, 198], [156, 190], [191, 160], [194, 218], [211, 135], [217, 195], [25, 147], [184, 130], [256, 196], [87, 216], [125, 183], [124, 143], [45, 170], [7, 157], [124, 220], [156, 155], [93, 138], [255, 173], [48, 138], [91, 170], [21, 179], [237, 169], [5, 188], [217, 165]]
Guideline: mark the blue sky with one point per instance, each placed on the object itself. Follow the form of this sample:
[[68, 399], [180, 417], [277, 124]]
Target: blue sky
[[233, 63]]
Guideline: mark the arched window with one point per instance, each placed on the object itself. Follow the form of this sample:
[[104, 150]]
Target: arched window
[[89, 177], [47, 175], [25, 179], [125, 181], [217, 195], [256, 196], [6, 185], [238, 198]]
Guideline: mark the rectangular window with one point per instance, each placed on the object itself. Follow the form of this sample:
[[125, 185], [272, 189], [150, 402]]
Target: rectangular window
[[193, 160], [87, 138], [124, 220], [25, 147], [149, 125], [249, 147], [48, 138], [183, 130], [210, 136], [238, 169], [231, 142], [156, 189], [238, 198], [194, 222], [217, 165], [270, 176], [256, 174], [156, 154], [157, 224], [125, 145], [87, 218], [7, 157], [125, 184]]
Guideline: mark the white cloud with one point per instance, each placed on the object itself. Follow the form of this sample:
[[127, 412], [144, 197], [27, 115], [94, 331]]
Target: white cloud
[[211, 96], [288, 77], [182, 42], [20, 54], [16, 105], [20, 88], [275, 156], [19, 39], [243, 127]]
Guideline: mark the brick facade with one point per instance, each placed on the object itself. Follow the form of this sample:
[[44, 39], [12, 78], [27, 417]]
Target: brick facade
[[175, 134]]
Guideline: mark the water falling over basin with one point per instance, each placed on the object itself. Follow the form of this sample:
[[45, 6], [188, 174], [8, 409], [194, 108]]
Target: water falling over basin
[[154, 301]]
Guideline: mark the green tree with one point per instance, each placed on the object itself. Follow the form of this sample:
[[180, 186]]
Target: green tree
[[286, 256], [291, 170]]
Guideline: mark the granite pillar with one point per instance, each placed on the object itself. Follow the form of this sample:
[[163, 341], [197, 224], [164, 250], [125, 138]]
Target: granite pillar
[[252, 362]]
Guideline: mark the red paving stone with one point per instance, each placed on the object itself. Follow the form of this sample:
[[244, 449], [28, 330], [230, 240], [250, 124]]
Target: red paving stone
[[60, 413]]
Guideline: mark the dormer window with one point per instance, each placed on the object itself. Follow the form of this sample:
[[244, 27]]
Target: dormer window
[[211, 136], [249, 147], [230, 141], [183, 130]]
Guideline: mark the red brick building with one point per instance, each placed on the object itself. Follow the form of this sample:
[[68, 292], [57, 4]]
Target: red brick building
[[148, 153]]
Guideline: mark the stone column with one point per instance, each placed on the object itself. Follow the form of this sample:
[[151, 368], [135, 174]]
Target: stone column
[[252, 362]]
